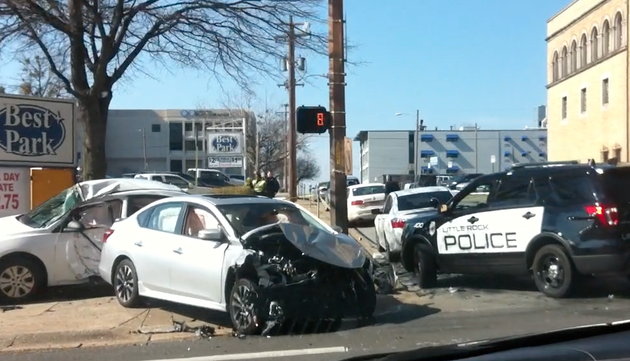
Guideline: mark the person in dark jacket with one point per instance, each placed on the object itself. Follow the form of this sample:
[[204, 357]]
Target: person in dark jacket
[[391, 186], [272, 185]]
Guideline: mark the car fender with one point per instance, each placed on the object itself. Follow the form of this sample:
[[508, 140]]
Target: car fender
[[543, 238]]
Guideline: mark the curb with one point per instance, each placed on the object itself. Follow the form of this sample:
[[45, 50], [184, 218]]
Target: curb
[[94, 338]]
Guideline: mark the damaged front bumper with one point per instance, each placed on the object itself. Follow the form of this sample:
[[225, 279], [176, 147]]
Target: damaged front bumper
[[303, 285]]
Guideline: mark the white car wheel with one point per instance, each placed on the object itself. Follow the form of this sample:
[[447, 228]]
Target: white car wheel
[[126, 284], [20, 279]]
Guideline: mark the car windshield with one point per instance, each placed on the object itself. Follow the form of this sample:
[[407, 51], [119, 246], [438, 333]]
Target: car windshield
[[52, 210], [245, 217], [422, 200], [368, 190]]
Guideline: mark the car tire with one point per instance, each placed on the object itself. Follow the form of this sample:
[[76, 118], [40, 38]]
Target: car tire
[[244, 317], [425, 268], [20, 280], [126, 284], [553, 282]]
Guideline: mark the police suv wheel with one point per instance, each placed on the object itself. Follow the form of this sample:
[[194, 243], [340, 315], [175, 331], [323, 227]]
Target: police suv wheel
[[553, 272], [425, 268]]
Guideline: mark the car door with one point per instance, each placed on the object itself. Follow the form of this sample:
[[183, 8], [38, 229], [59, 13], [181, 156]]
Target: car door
[[381, 219], [519, 214], [197, 264], [461, 237], [153, 244], [80, 251]]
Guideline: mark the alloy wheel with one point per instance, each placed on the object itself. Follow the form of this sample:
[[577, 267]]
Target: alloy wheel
[[124, 283], [17, 281]]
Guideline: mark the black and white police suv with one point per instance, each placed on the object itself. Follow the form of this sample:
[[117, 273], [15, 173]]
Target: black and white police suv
[[555, 221]]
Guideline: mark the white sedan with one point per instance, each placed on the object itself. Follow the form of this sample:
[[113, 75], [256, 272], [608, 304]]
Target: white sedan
[[400, 206], [363, 199], [264, 261], [58, 242]]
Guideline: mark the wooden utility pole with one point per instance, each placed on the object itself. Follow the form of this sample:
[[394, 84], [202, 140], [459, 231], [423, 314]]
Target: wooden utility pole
[[337, 84], [292, 141]]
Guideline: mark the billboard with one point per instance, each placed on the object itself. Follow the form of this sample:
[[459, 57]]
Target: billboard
[[225, 143], [37, 132]]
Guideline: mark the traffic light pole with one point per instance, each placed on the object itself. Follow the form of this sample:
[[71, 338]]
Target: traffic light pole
[[337, 84]]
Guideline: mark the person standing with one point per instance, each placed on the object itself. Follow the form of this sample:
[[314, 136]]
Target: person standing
[[260, 184], [391, 186], [273, 186]]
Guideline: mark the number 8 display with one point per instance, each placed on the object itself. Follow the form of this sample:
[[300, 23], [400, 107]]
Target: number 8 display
[[320, 119]]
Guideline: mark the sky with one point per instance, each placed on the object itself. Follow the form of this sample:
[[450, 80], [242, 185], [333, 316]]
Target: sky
[[459, 62]]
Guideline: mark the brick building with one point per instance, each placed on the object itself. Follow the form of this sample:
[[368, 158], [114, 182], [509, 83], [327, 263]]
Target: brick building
[[587, 77]]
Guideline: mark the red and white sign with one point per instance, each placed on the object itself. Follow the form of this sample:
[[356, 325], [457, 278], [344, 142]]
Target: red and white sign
[[15, 191]]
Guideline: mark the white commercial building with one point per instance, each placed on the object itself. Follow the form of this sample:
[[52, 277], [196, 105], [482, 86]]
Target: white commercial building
[[179, 139]]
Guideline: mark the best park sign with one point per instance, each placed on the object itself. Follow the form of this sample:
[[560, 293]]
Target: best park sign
[[36, 132]]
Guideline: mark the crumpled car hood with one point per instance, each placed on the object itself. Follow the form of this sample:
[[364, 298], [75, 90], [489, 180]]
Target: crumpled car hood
[[336, 249]]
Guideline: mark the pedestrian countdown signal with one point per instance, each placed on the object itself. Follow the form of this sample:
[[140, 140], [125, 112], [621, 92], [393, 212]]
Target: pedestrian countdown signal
[[312, 120]]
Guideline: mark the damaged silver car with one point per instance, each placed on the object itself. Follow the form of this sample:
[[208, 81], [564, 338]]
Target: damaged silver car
[[58, 242], [269, 263]]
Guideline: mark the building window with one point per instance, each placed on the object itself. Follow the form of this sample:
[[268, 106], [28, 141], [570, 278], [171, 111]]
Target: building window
[[618, 31], [412, 147], [555, 65], [564, 107], [176, 138], [605, 93], [583, 51], [188, 126], [605, 38], [190, 145], [176, 165], [156, 128], [583, 101], [574, 56], [565, 62], [594, 45]]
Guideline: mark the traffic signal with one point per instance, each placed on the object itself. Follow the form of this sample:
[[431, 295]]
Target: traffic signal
[[312, 120]]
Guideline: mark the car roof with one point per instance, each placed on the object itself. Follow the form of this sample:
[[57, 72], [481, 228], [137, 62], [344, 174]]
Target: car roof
[[131, 193], [430, 189], [225, 199], [365, 185]]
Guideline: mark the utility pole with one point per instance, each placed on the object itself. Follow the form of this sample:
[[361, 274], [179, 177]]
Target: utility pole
[[290, 85], [196, 151], [144, 149], [285, 145], [337, 84], [416, 148]]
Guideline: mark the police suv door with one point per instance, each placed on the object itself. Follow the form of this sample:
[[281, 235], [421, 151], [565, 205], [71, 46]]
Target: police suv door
[[486, 234]]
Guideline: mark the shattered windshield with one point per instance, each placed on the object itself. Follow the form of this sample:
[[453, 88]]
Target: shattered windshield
[[52, 210], [248, 216]]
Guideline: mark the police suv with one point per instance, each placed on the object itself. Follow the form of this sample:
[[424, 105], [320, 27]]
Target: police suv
[[557, 221]]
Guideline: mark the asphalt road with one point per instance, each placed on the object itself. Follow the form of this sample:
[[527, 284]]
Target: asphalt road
[[398, 331]]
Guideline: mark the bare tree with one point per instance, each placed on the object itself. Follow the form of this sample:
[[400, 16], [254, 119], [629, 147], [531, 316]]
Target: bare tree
[[101, 40], [38, 79], [307, 168]]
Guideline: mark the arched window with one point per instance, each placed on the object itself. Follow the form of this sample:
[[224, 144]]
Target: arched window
[[565, 61], [618, 30], [605, 38], [583, 51], [574, 56], [555, 64], [594, 45]]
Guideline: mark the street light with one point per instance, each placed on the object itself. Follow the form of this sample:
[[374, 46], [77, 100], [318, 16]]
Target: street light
[[415, 142]]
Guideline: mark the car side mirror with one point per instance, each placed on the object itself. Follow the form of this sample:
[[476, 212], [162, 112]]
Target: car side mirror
[[337, 229], [435, 203], [210, 235], [377, 211], [74, 226]]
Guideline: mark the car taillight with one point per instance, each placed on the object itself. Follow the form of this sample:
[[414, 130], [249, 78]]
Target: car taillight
[[107, 234], [356, 203], [398, 223], [606, 214]]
